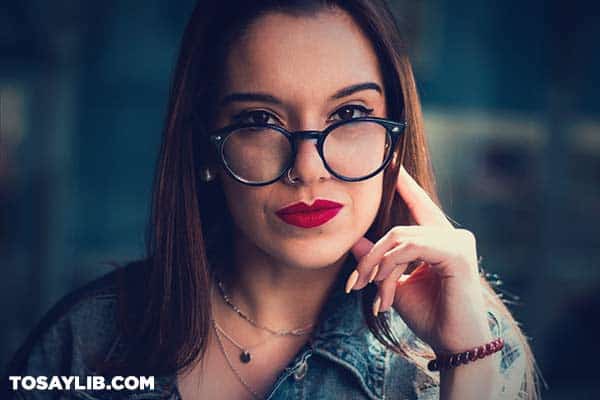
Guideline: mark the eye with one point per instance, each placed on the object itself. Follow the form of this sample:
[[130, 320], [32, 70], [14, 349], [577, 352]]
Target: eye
[[351, 111], [255, 117]]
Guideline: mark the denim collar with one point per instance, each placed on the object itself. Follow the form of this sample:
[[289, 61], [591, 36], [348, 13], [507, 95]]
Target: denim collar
[[341, 336]]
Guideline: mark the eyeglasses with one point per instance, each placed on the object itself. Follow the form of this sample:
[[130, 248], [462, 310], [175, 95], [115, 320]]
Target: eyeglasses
[[351, 150]]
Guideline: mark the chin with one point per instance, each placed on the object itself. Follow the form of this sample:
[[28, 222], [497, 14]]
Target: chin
[[313, 254]]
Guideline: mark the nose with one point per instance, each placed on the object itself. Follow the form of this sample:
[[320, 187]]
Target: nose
[[308, 167]]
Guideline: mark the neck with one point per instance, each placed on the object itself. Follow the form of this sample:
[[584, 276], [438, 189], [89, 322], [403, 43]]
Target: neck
[[280, 297]]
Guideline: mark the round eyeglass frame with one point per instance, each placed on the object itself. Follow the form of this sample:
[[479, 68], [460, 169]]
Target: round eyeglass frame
[[394, 129]]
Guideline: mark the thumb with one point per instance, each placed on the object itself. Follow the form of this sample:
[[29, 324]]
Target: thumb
[[361, 247]]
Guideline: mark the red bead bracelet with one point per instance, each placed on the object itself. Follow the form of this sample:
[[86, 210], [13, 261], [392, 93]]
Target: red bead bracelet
[[465, 357]]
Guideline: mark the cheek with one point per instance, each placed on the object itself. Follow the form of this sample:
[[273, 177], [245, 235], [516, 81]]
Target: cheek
[[245, 203], [366, 199]]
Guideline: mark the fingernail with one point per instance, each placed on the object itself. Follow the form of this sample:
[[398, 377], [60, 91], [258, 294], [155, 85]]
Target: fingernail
[[374, 273], [376, 305], [351, 281]]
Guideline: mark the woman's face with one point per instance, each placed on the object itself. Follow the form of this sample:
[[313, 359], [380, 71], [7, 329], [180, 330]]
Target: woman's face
[[302, 64]]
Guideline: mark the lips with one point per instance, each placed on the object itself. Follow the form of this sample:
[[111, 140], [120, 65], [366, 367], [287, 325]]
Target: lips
[[305, 216]]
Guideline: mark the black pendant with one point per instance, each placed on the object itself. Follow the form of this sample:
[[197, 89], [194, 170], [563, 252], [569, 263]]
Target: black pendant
[[245, 357]]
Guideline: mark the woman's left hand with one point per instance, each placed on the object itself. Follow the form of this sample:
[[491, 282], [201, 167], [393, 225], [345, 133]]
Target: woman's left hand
[[441, 301]]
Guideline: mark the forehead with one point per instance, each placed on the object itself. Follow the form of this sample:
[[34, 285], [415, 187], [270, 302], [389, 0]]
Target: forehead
[[299, 56]]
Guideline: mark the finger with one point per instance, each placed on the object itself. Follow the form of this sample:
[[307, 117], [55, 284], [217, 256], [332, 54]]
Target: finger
[[409, 253], [361, 247], [369, 261], [423, 209], [387, 288], [400, 255], [358, 250]]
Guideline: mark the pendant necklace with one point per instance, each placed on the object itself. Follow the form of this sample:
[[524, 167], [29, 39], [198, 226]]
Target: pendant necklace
[[245, 355], [232, 367]]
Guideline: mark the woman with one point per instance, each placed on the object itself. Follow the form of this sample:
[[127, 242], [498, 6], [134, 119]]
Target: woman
[[296, 245]]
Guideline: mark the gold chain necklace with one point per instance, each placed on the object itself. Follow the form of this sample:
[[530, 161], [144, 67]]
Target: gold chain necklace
[[293, 332], [245, 355]]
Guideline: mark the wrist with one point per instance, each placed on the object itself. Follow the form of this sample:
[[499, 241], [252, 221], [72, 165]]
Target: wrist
[[475, 332], [449, 361], [462, 343]]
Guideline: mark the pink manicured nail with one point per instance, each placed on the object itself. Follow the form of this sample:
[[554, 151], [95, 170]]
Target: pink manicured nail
[[374, 273], [351, 281], [376, 305]]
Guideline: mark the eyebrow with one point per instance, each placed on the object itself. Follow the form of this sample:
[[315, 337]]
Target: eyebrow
[[347, 91], [267, 98], [262, 97]]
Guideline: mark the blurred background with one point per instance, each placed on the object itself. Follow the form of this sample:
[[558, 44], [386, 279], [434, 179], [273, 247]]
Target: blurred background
[[509, 91]]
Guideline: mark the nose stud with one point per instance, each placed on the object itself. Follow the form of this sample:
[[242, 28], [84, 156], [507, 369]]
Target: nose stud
[[289, 177]]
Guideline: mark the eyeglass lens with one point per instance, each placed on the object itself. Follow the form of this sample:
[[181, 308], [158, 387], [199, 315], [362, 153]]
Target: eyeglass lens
[[352, 150]]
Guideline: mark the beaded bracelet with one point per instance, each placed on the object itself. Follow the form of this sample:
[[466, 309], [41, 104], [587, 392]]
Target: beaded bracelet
[[465, 357]]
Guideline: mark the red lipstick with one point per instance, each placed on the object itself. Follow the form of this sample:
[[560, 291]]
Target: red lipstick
[[305, 216]]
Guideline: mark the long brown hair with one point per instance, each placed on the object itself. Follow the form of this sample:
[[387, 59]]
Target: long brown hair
[[166, 321]]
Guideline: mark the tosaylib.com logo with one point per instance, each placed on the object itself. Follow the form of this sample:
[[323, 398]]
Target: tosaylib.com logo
[[27, 382]]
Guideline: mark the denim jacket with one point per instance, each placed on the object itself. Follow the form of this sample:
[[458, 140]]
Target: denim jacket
[[343, 360]]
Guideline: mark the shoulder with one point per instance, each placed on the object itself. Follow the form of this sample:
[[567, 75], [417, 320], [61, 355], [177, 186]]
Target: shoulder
[[76, 331]]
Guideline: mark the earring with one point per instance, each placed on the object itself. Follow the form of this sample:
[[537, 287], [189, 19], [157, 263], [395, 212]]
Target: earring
[[207, 174]]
